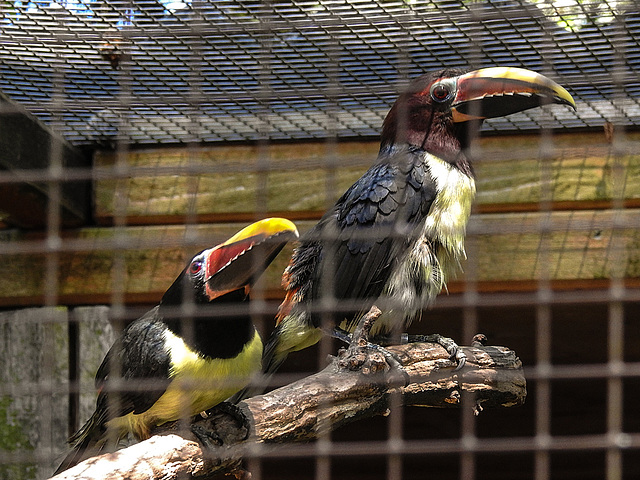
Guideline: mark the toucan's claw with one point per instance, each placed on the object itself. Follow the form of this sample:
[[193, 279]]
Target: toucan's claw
[[456, 355], [365, 356], [221, 425], [207, 438]]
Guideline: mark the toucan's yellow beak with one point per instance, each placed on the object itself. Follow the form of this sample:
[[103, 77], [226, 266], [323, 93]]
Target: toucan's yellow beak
[[239, 261], [499, 91]]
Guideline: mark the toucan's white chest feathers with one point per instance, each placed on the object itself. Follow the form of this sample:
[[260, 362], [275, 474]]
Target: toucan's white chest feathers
[[435, 257], [447, 220]]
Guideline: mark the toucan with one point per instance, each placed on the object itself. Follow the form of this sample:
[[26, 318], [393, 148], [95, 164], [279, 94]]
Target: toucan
[[396, 236], [192, 351]]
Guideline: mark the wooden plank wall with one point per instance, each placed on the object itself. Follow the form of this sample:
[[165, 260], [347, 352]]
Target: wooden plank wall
[[567, 211], [569, 214]]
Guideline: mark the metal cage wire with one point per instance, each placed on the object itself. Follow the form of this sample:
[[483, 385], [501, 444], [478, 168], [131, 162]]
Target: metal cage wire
[[122, 77], [179, 71]]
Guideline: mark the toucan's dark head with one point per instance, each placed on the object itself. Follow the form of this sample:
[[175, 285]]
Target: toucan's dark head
[[437, 109], [233, 265]]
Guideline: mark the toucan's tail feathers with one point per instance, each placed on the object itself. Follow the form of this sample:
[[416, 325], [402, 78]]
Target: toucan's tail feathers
[[89, 441]]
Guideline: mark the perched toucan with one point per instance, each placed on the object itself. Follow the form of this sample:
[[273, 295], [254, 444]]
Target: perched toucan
[[397, 235], [182, 357]]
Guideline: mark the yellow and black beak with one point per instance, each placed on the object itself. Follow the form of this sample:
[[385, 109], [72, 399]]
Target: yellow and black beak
[[499, 91], [239, 261]]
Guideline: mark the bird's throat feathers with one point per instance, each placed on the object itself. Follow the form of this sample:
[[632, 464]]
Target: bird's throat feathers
[[213, 334], [432, 130]]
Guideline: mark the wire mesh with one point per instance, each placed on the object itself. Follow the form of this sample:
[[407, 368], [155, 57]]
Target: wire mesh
[[200, 117], [87, 44]]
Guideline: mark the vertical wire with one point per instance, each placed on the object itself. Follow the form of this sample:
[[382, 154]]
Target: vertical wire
[[52, 259], [120, 210], [332, 51], [615, 391], [188, 308], [265, 14], [264, 94], [544, 328], [615, 394], [543, 316], [542, 463], [395, 436], [56, 173], [468, 433], [396, 417]]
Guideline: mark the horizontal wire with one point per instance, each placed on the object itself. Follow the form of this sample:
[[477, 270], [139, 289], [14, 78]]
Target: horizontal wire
[[368, 448]]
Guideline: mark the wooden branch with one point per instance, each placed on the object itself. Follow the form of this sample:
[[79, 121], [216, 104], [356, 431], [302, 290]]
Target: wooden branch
[[331, 398], [337, 397]]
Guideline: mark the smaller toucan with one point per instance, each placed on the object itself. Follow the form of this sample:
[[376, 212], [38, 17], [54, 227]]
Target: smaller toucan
[[181, 358]]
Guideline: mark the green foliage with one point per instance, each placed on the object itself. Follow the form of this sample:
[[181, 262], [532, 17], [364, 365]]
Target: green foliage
[[575, 14]]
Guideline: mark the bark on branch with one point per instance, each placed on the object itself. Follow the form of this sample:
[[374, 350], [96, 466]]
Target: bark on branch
[[331, 398]]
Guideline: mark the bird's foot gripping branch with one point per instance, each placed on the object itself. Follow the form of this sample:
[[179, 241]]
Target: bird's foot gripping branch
[[364, 356], [332, 398]]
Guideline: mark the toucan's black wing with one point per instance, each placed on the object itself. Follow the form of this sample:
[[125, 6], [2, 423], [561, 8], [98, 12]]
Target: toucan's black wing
[[144, 364], [361, 239]]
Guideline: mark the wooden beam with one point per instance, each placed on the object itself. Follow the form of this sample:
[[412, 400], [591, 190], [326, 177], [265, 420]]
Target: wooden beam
[[314, 215], [167, 185], [523, 292], [27, 144], [504, 251]]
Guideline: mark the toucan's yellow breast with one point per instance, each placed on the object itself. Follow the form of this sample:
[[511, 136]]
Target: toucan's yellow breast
[[197, 384]]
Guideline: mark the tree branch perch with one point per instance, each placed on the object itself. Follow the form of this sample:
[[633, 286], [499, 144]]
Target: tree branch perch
[[331, 398]]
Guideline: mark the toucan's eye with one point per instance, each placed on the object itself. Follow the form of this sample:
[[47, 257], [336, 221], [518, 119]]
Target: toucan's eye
[[440, 92], [195, 267]]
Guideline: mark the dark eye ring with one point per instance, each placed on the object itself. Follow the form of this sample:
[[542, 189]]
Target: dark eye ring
[[195, 267], [440, 92]]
